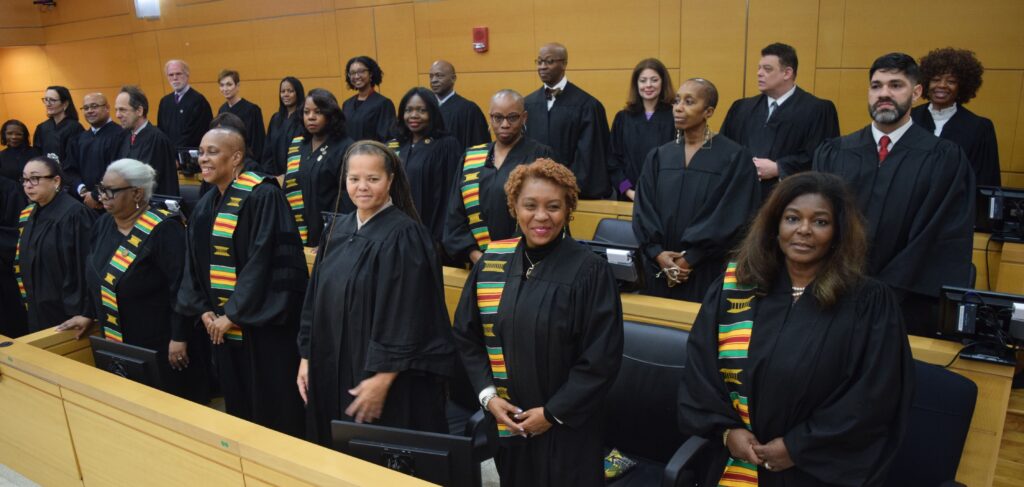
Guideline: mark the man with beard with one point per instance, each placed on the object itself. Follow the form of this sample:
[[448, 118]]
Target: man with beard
[[184, 114], [916, 192], [91, 151]]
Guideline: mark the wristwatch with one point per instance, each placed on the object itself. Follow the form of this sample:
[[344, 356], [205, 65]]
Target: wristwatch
[[487, 399]]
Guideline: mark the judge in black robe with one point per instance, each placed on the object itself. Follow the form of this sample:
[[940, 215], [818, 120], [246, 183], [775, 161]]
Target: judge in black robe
[[458, 239], [54, 247], [375, 304], [561, 337], [796, 128], [464, 120], [634, 135], [257, 373], [89, 154], [12, 201], [919, 208], [319, 178], [285, 125], [184, 121], [151, 146], [700, 209], [17, 152], [974, 134], [252, 116], [369, 119], [53, 139]]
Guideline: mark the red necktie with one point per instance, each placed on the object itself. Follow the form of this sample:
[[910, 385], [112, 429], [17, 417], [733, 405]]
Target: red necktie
[[133, 138], [883, 148]]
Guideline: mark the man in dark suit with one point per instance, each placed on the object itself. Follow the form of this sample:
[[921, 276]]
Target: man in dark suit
[[570, 121], [184, 114], [784, 124]]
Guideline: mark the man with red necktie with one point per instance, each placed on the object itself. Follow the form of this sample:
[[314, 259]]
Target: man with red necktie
[[144, 142]]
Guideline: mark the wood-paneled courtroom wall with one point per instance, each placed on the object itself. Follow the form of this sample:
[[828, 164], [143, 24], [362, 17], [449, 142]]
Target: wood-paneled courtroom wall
[[98, 45]]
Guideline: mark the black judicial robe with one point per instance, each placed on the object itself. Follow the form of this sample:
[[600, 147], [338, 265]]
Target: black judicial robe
[[13, 160], [375, 303], [974, 134], [184, 122], [252, 116], [465, 121], [561, 335], [633, 137], [835, 384], [431, 166], [576, 128], [702, 209], [280, 132], [795, 130], [154, 148], [266, 304], [458, 240], [370, 119], [89, 154], [53, 139], [145, 297], [918, 206], [54, 248], [319, 178], [12, 201]]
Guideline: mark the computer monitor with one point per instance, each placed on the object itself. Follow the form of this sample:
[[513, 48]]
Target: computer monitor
[[625, 262], [1000, 211], [166, 202], [983, 319], [438, 458], [188, 160], [128, 361]]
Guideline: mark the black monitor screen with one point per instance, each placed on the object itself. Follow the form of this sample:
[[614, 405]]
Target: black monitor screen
[[979, 316], [1000, 211], [128, 361]]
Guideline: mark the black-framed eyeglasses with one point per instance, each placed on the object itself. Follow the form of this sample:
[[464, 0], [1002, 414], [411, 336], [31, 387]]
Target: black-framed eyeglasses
[[50, 101], [33, 181], [511, 118], [548, 62], [86, 108], [358, 72], [109, 193]]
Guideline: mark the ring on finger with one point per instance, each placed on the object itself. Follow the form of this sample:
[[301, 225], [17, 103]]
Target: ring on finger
[[767, 466]]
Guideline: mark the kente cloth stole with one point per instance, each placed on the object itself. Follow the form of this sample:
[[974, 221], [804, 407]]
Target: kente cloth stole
[[23, 219], [394, 145], [476, 158], [733, 344], [123, 258], [292, 190], [489, 286], [222, 245]]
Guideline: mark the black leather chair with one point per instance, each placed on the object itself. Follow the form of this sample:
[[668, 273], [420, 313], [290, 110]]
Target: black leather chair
[[940, 416], [189, 198], [618, 232]]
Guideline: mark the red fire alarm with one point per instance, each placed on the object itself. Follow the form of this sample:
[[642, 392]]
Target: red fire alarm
[[480, 39]]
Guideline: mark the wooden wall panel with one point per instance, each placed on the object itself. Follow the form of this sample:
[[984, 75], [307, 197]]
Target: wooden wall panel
[[669, 30], [713, 33], [26, 107], [396, 48], [24, 69], [19, 13], [342, 4], [830, 33], [792, 22], [603, 34], [90, 29], [93, 63], [265, 9], [149, 63], [356, 36], [209, 49], [281, 54], [77, 11], [445, 32], [1017, 159], [22, 36]]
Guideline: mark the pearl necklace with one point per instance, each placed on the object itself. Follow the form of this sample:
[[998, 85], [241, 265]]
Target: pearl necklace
[[797, 292]]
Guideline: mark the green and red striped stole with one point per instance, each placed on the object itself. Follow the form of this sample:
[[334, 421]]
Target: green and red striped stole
[[476, 158], [223, 276], [734, 335], [23, 219], [489, 287], [122, 259], [292, 190]]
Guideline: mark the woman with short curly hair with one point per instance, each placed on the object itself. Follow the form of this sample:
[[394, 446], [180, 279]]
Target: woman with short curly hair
[[539, 327], [368, 114], [951, 79]]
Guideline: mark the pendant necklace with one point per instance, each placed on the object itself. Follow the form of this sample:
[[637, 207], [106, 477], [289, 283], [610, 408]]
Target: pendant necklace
[[529, 270]]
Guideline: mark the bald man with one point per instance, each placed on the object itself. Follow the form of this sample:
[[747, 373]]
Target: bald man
[[462, 118], [244, 280], [91, 151], [184, 114], [570, 121]]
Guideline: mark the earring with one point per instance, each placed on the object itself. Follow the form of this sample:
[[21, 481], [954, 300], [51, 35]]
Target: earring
[[679, 137], [137, 205]]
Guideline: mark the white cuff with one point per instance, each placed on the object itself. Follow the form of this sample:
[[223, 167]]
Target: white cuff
[[486, 392], [80, 188]]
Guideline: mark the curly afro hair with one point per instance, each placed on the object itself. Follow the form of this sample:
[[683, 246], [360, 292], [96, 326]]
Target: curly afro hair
[[961, 63], [545, 169]]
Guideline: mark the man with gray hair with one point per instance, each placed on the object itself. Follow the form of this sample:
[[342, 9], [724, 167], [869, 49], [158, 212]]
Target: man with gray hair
[[184, 114], [144, 142], [90, 152]]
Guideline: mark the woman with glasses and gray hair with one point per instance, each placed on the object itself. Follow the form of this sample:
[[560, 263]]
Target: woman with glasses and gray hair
[[133, 272]]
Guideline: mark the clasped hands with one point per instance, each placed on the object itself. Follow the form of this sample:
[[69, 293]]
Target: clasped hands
[[674, 267], [523, 423], [216, 326], [773, 456]]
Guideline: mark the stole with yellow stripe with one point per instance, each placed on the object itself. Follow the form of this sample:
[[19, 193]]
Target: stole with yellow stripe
[[23, 219], [223, 276], [123, 258], [733, 345], [476, 158], [292, 189], [489, 287]]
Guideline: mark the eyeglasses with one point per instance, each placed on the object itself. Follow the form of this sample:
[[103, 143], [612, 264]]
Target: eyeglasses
[[358, 72], [548, 62], [94, 106], [109, 193], [500, 119], [33, 181], [50, 101]]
